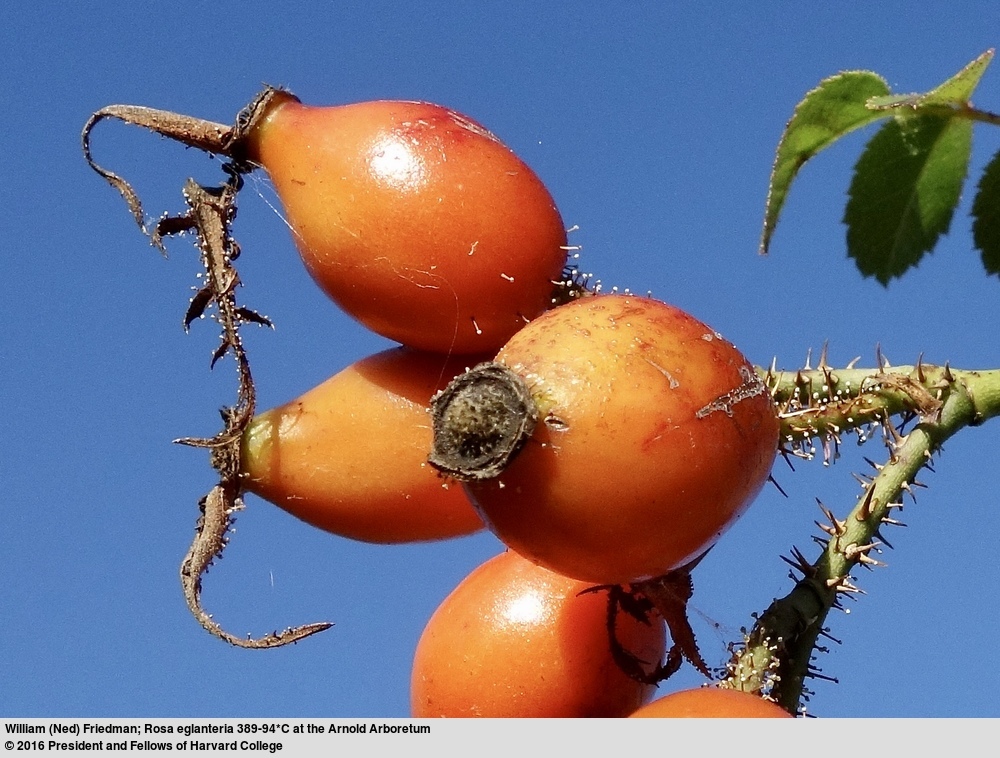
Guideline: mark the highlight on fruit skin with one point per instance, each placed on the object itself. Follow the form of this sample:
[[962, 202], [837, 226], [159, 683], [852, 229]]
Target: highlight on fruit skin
[[654, 434], [348, 456], [415, 219], [514, 640], [712, 702]]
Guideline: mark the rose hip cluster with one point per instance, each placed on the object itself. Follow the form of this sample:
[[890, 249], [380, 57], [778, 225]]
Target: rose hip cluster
[[605, 439]]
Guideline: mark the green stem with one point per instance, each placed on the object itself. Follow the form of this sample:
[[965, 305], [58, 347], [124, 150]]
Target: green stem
[[824, 402], [776, 656], [975, 114], [944, 110]]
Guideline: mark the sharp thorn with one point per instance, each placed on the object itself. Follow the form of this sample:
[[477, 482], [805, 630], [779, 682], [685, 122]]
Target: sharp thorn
[[831, 380], [800, 563], [826, 633], [839, 527], [854, 550], [864, 481], [866, 560], [883, 540], [849, 589], [880, 359], [826, 528], [865, 512], [816, 675], [793, 564]]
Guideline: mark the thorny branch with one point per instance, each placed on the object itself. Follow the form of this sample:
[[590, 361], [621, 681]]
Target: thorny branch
[[211, 211], [777, 655]]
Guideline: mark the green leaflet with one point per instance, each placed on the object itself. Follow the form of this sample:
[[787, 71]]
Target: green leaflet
[[954, 93], [835, 108], [908, 180], [904, 192], [986, 216], [958, 90]]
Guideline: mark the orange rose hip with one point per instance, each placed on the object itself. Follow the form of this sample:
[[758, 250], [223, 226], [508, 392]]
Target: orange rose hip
[[415, 219], [645, 434], [349, 456]]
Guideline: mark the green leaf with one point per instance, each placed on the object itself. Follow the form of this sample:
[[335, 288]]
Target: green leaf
[[835, 108], [957, 91], [986, 215], [890, 102], [906, 185]]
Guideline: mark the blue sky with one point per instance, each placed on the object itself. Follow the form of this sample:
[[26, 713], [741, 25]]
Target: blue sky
[[654, 127]]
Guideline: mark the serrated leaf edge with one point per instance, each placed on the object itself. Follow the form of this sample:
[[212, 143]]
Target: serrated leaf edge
[[771, 213]]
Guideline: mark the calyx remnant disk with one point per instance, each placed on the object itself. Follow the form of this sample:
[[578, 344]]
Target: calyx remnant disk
[[481, 420]]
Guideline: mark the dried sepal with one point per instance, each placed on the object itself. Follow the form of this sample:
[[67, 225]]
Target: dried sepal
[[199, 303], [209, 215], [646, 672], [250, 316], [669, 595]]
